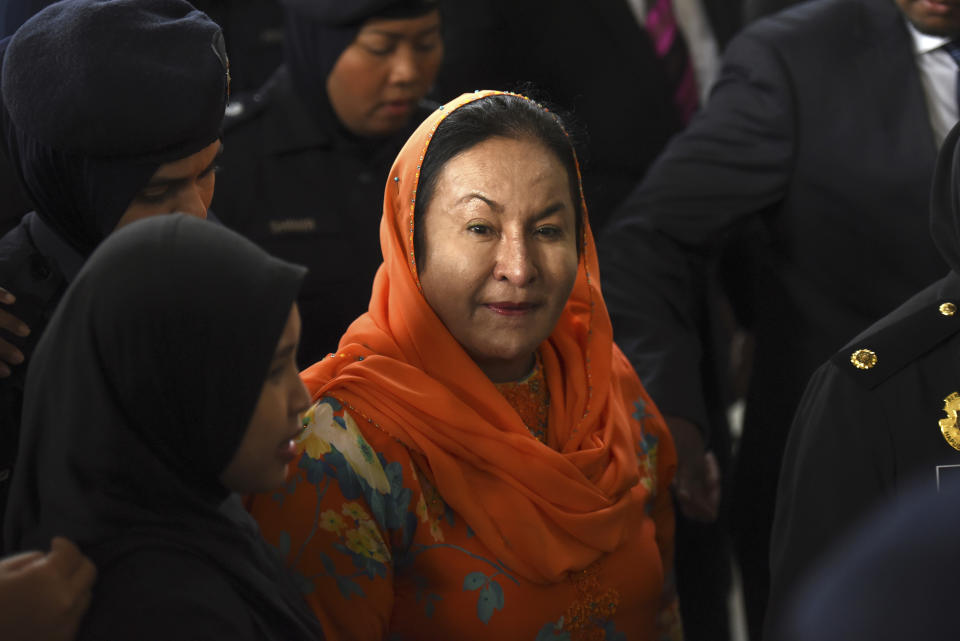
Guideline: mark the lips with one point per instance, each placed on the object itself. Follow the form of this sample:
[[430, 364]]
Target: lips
[[510, 308], [937, 7], [398, 107], [287, 449]]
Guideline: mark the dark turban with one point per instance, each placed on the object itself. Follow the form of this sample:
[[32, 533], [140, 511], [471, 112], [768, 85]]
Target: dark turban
[[98, 94]]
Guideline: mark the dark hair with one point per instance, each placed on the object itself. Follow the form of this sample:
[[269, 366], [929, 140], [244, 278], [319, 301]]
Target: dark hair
[[504, 116]]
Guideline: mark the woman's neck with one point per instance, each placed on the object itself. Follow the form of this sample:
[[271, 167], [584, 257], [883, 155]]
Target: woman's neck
[[506, 371]]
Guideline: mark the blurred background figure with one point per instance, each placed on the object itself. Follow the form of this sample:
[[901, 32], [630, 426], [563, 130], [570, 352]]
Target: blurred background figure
[[306, 155]]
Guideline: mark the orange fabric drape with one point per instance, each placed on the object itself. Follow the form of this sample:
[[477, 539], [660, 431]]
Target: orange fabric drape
[[542, 510]]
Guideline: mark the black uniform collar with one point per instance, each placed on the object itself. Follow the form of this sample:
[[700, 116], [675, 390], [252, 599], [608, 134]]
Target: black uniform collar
[[289, 126]]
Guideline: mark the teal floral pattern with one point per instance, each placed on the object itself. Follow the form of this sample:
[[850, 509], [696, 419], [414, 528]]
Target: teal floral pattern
[[358, 519]]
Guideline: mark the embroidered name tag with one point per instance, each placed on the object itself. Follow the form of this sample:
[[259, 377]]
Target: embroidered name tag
[[948, 477]]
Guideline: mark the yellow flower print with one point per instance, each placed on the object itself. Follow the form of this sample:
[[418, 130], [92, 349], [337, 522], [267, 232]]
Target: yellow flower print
[[367, 542], [331, 521], [648, 470], [422, 509], [434, 524], [321, 432], [355, 511], [309, 441], [647, 474]]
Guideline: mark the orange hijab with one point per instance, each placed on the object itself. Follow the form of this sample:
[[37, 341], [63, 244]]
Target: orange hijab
[[544, 511]]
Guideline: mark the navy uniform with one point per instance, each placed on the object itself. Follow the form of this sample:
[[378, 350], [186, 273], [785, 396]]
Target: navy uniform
[[306, 190], [882, 412], [297, 182]]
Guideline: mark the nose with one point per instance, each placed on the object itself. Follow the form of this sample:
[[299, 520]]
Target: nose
[[195, 201], [404, 69], [515, 262]]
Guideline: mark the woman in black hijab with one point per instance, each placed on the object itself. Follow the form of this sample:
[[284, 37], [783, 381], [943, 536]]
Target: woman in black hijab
[[165, 381], [306, 157]]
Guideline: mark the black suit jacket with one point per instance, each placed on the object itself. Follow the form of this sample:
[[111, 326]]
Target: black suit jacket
[[818, 132], [817, 139]]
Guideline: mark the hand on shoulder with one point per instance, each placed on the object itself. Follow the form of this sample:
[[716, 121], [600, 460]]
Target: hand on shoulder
[[43, 597]]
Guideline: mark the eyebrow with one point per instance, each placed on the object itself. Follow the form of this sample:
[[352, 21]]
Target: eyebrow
[[400, 36], [492, 204], [549, 210], [176, 182]]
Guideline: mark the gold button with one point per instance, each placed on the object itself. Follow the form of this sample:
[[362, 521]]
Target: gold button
[[948, 309], [863, 359]]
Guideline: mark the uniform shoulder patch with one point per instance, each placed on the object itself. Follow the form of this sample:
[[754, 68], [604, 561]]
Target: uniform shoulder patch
[[898, 339]]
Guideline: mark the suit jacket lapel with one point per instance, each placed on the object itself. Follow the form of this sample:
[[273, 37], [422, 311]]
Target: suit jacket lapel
[[888, 51]]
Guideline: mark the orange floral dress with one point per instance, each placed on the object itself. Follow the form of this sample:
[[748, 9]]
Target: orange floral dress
[[380, 555]]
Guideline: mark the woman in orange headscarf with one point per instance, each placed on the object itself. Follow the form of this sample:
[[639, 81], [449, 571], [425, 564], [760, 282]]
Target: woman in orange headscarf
[[481, 460]]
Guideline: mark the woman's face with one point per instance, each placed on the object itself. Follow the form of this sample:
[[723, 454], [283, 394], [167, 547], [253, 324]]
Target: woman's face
[[182, 186], [500, 251], [378, 80], [260, 463]]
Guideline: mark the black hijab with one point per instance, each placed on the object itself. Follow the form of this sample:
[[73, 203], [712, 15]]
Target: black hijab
[[316, 33], [138, 396], [98, 94]]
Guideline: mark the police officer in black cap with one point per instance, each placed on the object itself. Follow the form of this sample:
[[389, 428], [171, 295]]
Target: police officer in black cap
[[881, 412], [111, 111], [305, 158]]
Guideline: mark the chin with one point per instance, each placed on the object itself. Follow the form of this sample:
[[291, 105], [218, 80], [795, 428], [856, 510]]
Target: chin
[[505, 363], [934, 25], [266, 483]]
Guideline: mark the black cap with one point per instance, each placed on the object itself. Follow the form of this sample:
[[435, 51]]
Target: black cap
[[352, 12], [118, 78]]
